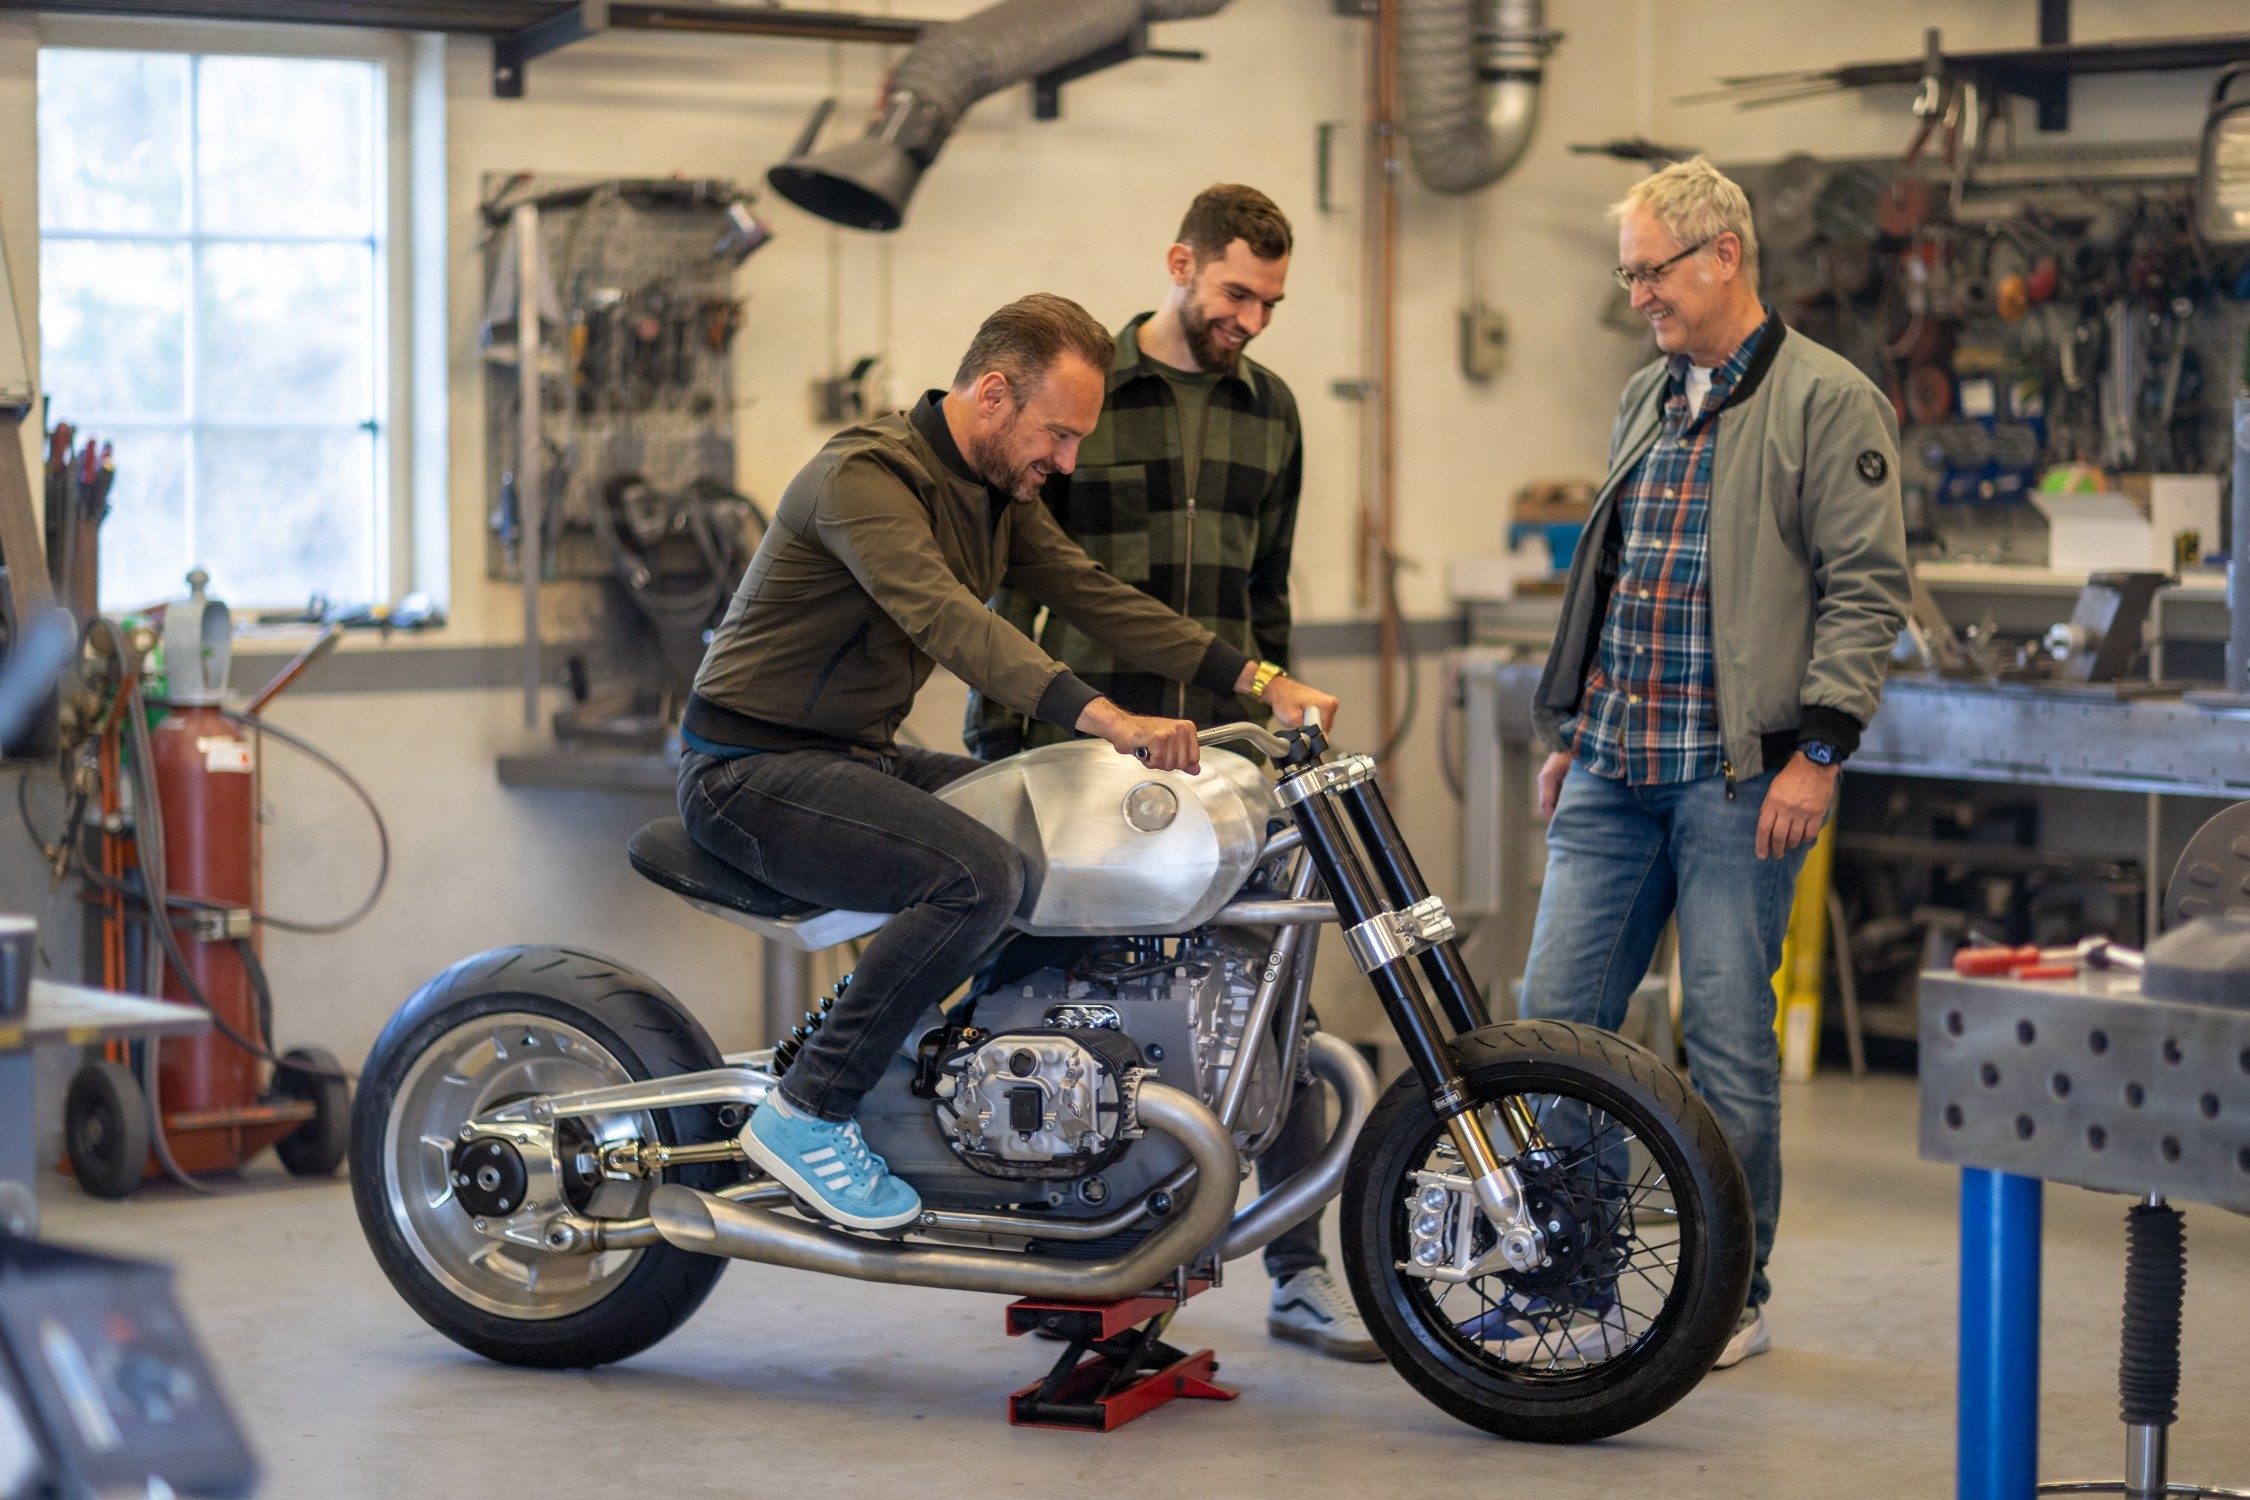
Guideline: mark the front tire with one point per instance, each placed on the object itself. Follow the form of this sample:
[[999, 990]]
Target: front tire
[[1655, 1240], [503, 1025]]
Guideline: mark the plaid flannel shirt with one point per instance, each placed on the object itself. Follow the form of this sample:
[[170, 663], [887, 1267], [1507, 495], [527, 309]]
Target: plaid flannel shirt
[[1225, 566], [1650, 714]]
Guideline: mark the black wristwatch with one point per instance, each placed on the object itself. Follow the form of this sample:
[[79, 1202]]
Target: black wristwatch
[[1820, 752]]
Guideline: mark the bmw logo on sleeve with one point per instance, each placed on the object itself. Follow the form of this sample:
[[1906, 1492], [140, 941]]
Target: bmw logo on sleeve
[[1873, 466]]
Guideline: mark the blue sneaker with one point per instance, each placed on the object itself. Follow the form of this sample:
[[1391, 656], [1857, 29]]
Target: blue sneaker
[[829, 1166]]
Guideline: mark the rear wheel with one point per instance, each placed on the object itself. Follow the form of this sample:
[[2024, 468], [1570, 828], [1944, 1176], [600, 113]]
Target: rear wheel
[[466, 1252], [1647, 1225]]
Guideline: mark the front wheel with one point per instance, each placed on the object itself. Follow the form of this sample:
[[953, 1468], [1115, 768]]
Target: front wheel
[[1647, 1227], [461, 1237]]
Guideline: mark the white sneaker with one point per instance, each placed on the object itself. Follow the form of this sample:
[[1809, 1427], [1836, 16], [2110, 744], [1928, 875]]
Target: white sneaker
[[1590, 1337], [1749, 1338], [1310, 1309]]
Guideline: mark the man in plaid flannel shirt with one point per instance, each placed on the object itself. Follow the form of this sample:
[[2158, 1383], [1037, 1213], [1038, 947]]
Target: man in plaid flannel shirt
[[1724, 633], [1187, 489]]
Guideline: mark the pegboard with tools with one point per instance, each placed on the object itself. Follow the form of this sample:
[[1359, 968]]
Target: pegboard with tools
[[639, 302], [2047, 308]]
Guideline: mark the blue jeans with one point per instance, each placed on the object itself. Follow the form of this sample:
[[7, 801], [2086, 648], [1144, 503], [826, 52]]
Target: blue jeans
[[1621, 860]]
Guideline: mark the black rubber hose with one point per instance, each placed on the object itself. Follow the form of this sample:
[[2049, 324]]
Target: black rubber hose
[[2148, 1376]]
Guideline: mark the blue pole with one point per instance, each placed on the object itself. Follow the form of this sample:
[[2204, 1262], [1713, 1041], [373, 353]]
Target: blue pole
[[1996, 1415]]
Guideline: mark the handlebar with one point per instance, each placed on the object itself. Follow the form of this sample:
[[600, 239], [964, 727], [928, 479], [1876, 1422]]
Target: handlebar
[[1257, 736]]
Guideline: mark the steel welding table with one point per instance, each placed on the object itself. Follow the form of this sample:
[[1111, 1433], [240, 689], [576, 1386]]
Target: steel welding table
[[2082, 1081], [73, 1015]]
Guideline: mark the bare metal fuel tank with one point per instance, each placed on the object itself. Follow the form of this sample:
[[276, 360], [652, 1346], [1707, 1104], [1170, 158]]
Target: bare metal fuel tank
[[1110, 846]]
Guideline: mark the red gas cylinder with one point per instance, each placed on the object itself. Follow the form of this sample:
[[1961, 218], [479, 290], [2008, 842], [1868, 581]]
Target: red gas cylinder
[[206, 775]]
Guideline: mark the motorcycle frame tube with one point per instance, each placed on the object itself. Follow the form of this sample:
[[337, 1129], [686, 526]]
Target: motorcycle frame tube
[[1328, 842], [1402, 879], [1280, 969], [1290, 1202], [711, 1225]]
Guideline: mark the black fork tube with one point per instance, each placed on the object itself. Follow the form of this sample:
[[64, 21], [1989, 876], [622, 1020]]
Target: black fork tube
[[1329, 844], [1386, 847]]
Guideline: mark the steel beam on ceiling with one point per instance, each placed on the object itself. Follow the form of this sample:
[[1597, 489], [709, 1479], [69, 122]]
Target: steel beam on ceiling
[[512, 53]]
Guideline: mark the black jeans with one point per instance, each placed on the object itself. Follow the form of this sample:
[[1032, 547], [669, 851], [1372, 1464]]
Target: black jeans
[[862, 835]]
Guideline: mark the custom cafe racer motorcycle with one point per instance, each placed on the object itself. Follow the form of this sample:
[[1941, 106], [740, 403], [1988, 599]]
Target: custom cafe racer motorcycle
[[1543, 1228]]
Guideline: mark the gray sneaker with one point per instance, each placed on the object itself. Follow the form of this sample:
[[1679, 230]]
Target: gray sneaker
[[1310, 1309]]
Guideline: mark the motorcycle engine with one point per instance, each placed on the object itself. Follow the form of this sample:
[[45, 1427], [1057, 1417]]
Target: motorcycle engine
[[1047, 1092], [1042, 1103]]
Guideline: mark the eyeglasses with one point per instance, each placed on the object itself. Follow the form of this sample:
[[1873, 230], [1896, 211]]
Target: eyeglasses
[[1649, 276]]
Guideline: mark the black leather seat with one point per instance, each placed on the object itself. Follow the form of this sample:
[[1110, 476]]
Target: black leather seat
[[665, 854]]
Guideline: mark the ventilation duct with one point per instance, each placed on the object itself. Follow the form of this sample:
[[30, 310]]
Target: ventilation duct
[[866, 183], [1469, 78]]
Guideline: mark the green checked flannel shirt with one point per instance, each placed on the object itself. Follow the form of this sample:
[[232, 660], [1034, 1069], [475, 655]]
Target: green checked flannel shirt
[[1224, 563]]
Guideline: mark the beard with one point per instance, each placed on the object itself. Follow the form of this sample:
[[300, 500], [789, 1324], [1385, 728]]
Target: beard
[[990, 462], [1211, 356]]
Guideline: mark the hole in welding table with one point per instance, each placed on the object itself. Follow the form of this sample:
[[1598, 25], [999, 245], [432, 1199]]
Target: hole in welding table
[[2172, 1052], [2209, 1104], [1953, 1024], [1953, 1117], [2097, 1041], [2135, 1095], [1990, 1075], [2096, 1137], [2026, 1033], [2242, 1159], [2059, 1085], [2024, 1127], [2171, 1148]]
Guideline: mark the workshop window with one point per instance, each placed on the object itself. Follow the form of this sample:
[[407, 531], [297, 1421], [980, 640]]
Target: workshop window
[[213, 300]]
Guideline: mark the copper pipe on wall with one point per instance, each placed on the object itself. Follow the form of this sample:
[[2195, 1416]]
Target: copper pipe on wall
[[1379, 350]]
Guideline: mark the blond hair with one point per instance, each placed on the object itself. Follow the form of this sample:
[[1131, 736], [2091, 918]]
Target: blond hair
[[1695, 201]]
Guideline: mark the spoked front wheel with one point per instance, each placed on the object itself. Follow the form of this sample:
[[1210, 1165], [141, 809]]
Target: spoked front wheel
[[1645, 1220]]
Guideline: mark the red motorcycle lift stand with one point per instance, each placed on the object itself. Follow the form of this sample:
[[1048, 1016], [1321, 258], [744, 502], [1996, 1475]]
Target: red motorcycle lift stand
[[1130, 1373]]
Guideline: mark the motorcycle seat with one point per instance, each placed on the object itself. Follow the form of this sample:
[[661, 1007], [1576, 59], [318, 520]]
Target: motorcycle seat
[[664, 853]]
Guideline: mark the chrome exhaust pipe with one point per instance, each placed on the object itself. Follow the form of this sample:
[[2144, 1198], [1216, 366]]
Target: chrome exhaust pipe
[[712, 1225], [1339, 1065]]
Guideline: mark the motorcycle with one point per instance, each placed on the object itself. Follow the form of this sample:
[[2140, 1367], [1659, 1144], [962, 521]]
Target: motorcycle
[[1543, 1228]]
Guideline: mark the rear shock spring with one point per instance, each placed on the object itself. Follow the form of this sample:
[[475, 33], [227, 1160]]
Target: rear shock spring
[[785, 1051]]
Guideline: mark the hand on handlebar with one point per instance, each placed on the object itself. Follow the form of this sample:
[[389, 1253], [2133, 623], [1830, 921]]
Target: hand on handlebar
[[1164, 744], [1290, 700]]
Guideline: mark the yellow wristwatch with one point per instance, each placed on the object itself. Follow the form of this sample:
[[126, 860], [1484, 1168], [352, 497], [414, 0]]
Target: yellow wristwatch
[[1263, 678]]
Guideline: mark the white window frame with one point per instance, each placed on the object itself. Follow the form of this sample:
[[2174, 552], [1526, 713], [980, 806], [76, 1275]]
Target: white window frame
[[394, 364]]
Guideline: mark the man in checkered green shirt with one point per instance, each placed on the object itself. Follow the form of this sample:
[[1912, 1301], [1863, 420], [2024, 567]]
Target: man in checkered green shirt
[[1187, 489]]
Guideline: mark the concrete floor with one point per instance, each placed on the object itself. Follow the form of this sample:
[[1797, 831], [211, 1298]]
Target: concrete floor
[[789, 1384]]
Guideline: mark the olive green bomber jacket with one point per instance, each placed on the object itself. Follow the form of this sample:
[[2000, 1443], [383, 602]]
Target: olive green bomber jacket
[[881, 554]]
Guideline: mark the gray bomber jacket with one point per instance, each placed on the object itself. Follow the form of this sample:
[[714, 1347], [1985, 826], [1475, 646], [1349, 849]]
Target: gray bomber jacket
[[1808, 552]]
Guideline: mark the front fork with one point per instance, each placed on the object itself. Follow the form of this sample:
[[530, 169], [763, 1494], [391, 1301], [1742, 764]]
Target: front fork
[[1394, 927]]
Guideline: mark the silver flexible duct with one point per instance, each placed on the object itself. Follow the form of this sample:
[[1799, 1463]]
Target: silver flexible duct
[[1469, 77], [865, 184]]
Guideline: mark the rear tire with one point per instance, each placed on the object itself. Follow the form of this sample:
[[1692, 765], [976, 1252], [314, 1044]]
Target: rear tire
[[604, 1023], [106, 1129], [1444, 1338]]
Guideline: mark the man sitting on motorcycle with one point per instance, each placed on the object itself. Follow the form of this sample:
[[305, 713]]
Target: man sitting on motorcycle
[[875, 568]]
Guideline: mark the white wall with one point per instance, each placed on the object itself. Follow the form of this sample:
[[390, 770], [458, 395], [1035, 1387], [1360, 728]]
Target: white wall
[[1084, 206]]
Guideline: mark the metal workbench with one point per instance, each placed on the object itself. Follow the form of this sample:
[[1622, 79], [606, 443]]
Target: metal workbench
[[2083, 1081], [63, 1015], [1925, 728]]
